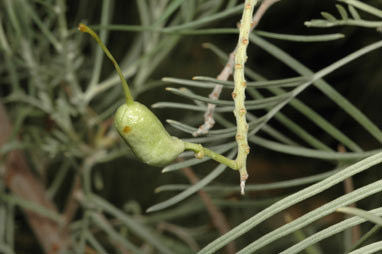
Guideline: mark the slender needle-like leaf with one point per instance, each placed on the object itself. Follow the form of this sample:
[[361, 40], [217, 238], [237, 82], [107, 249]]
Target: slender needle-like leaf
[[317, 213], [194, 188], [327, 232], [325, 87], [291, 200], [361, 213], [254, 187], [132, 224], [368, 249], [365, 7]]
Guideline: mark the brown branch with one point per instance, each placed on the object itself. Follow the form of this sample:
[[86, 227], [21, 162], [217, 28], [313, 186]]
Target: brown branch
[[23, 183], [261, 11], [72, 204], [227, 72], [217, 217]]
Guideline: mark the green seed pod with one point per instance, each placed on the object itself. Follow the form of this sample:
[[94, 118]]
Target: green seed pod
[[138, 126], [146, 136]]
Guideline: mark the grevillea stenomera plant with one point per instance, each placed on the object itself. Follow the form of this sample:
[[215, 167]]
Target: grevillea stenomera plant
[[147, 137], [62, 103]]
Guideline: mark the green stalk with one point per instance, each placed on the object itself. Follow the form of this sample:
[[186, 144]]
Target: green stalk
[[201, 151], [239, 91], [125, 86]]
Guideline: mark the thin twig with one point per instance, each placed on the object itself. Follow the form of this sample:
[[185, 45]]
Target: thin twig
[[201, 151], [238, 94], [217, 217], [227, 72]]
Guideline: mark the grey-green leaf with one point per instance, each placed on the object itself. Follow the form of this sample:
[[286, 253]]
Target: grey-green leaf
[[342, 11], [328, 16], [354, 13], [361, 213]]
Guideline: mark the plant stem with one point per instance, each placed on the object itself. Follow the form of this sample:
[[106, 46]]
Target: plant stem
[[239, 91], [239, 98], [209, 121], [201, 151], [129, 97]]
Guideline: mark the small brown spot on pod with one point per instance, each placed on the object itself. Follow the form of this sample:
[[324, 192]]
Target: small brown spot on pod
[[242, 111], [245, 41], [238, 66], [244, 84], [126, 129], [247, 149], [234, 95], [239, 137], [248, 6]]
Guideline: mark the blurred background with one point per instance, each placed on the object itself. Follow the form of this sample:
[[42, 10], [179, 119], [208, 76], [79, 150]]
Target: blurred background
[[65, 168]]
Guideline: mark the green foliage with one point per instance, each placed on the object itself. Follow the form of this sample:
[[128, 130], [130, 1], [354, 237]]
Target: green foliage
[[61, 94]]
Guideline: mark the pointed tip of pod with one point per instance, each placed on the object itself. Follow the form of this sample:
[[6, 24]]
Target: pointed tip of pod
[[82, 27]]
